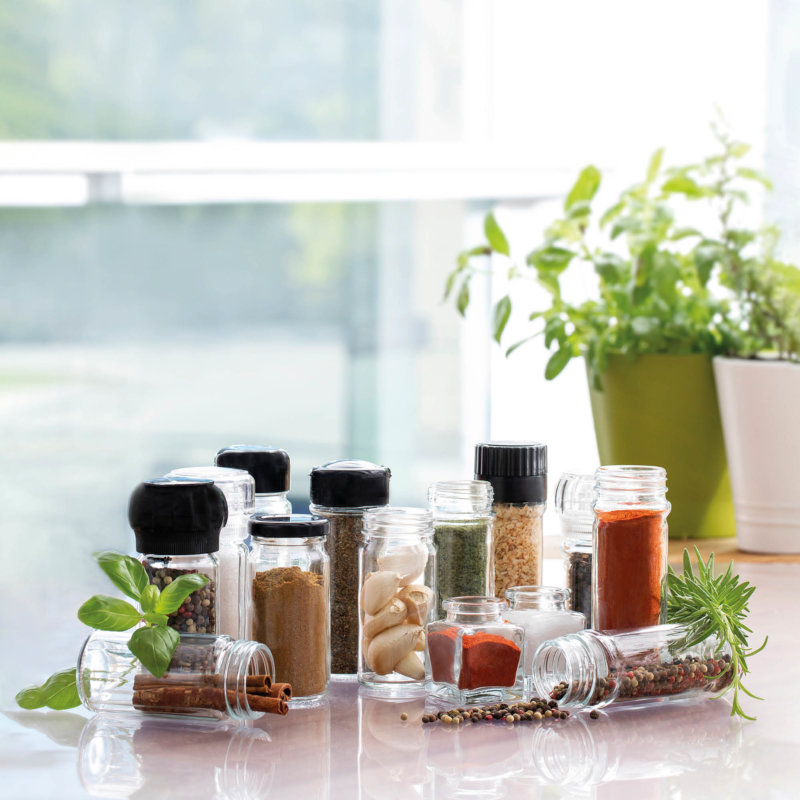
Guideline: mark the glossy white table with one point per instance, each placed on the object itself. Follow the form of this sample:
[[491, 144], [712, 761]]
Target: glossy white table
[[355, 746]]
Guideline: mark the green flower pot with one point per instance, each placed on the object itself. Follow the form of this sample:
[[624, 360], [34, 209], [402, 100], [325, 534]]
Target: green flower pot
[[662, 410]]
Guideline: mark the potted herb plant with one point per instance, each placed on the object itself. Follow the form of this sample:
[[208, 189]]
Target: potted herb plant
[[668, 298]]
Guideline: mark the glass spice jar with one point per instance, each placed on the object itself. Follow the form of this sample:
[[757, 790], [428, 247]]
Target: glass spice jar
[[630, 547], [595, 668], [209, 676], [397, 598], [238, 487], [270, 468], [462, 533], [518, 474], [474, 655], [288, 574], [573, 501], [342, 492], [177, 522]]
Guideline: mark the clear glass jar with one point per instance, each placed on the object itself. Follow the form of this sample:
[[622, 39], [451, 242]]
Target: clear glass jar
[[270, 468], [592, 668], [573, 502], [474, 655], [397, 598], [462, 532], [342, 492], [288, 575], [238, 487], [209, 676], [630, 547], [518, 474]]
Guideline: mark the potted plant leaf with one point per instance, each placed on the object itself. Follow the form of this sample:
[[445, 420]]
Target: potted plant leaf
[[661, 308]]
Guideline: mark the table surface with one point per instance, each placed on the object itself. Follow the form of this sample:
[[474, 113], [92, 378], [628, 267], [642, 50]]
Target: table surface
[[353, 745]]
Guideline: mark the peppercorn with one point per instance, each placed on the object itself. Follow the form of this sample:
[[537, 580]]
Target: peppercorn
[[593, 714], [404, 716]]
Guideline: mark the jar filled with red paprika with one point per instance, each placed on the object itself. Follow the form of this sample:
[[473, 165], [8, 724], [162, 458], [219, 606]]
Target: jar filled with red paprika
[[474, 656]]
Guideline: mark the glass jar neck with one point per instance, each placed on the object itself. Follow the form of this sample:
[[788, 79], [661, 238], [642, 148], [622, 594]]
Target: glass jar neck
[[294, 541], [537, 598], [390, 521], [457, 498], [187, 560], [475, 610], [236, 661], [629, 486], [272, 503]]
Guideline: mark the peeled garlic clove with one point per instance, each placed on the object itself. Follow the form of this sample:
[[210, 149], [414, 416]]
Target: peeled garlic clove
[[418, 600], [408, 562], [393, 613], [411, 666], [389, 646], [377, 591], [419, 645]]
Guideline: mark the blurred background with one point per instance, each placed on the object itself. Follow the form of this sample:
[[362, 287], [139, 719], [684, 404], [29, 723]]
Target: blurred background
[[232, 222]]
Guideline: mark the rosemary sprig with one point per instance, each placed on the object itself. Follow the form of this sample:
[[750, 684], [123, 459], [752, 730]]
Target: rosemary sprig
[[714, 606]]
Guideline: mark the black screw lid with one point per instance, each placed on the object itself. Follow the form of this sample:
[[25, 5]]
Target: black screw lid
[[269, 466], [350, 484], [516, 470], [296, 526], [177, 516]]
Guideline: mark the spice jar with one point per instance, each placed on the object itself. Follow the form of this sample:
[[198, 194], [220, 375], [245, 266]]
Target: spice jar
[[238, 487], [630, 547], [462, 533], [518, 474], [289, 575], [209, 676], [342, 491], [592, 668], [397, 576], [573, 502], [474, 656], [269, 467], [177, 523]]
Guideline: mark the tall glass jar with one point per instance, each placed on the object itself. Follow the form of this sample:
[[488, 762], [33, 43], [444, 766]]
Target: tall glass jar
[[270, 468], [238, 487], [474, 655], [342, 492], [518, 474], [177, 522], [573, 502], [397, 576], [288, 575], [209, 676], [630, 547], [592, 668], [462, 533]]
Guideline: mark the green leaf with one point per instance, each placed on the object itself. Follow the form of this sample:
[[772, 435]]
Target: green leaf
[[30, 698], [738, 149], [754, 175], [173, 595], [645, 326], [553, 329], [521, 342], [654, 166], [706, 256], [154, 618], [585, 187], [126, 572], [610, 267], [462, 301], [154, 647], [579, 210], [551, 258], [625, 225], [683, 184], [149, 598], [451, 280], [557, 362], [684, 233], [108, 613], [60, 690], [495, 236], [612, 213], [502, 312]]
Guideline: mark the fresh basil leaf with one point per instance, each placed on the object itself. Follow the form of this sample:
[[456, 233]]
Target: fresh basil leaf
[[551, 258], [683, 184], [553, 330], [462, 301], [502, 312], [125, 572], [154, 618], [495, 236], [754, 175], [655, 164], [108, 613], [154, 647], [557, 362], [60, 690], [451, 280], [173, 595], [30, 698], [149, 598], [584, 188]]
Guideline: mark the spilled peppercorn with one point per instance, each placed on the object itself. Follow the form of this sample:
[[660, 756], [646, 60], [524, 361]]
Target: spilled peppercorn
[[534, 711]]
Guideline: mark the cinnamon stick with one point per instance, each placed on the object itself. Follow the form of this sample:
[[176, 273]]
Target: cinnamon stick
[[188, 696], [256, 684], [281, 690]]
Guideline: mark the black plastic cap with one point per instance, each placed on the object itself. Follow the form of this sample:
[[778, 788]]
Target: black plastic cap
[[177, 516], [350, 484], [296, 526], [269, 466], [516, 470]]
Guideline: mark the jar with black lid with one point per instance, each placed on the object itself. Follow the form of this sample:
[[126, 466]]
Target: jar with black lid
[[177, 522], [270, 468]]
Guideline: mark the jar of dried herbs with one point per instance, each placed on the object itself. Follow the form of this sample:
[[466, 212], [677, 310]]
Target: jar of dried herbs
[[462, 532], [177, 523], [518, 474], [342, 492]]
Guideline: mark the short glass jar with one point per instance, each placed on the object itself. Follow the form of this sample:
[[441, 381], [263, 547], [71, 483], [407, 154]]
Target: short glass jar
[[462, 533], [474, 655], [209, 676], [397, 598], [592, 668], [270, 469], [288, 578], [630, 544]]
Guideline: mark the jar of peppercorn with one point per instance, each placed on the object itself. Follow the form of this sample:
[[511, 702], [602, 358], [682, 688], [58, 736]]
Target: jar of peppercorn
[[474, 656], [177, 522]]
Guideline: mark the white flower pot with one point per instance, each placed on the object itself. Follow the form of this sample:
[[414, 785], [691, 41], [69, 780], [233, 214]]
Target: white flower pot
[[760, 407]]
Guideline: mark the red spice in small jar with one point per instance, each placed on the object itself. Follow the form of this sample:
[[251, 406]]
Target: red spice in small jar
[[486, 659]]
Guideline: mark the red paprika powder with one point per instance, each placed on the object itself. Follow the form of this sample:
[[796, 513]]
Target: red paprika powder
[[486, 659]]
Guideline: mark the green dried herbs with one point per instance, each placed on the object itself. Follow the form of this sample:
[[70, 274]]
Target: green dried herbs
[[462, 559]]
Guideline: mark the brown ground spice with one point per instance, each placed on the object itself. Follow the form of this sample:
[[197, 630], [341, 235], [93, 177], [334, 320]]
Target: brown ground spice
[[290, 616]]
